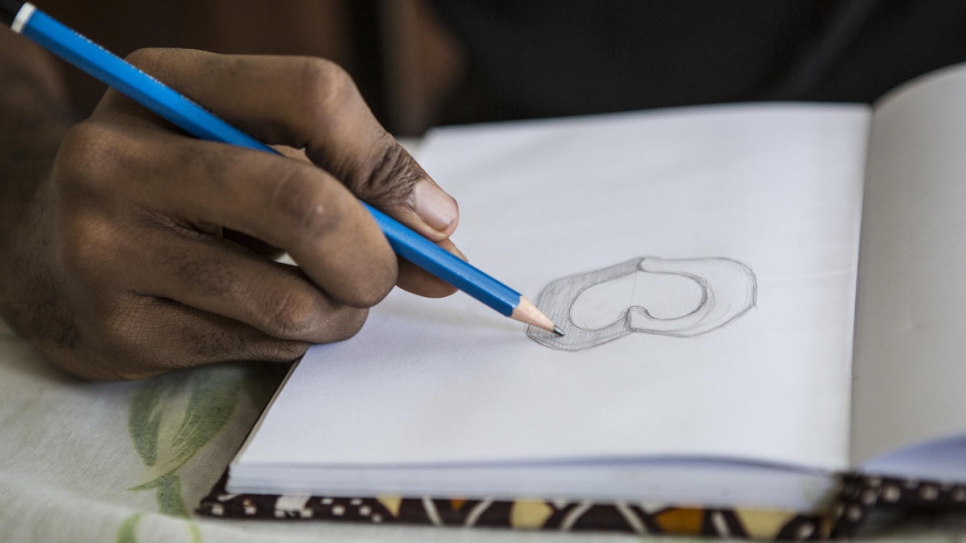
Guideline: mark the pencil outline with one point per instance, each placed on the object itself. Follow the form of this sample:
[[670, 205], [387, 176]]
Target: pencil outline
[[729, 289]]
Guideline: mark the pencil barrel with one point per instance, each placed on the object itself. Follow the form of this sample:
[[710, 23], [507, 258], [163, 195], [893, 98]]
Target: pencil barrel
[[446, 266]]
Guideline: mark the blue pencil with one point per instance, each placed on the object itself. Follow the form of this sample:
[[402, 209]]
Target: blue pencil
[[24, 18]]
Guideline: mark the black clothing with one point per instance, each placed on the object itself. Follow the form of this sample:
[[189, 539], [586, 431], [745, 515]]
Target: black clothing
[[538, 58]]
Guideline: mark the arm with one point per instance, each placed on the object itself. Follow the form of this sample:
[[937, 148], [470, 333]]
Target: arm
[[147, 249]]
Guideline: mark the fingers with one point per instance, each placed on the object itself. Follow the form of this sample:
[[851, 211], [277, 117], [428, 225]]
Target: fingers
[[145, 336], [218, 277], [286, 203], [411, 277], [311, 104], [150, 296]]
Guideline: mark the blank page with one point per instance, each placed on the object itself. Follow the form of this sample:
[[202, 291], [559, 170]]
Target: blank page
[[698, 206], [910, 361]]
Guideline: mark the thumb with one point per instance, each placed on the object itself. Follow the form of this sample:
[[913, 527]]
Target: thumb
[[394, 182]]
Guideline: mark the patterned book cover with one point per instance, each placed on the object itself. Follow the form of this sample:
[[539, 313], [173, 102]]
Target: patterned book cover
[[858, 495]]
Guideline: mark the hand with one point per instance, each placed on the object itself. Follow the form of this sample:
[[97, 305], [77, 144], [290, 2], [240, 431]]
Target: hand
[[147, 250]]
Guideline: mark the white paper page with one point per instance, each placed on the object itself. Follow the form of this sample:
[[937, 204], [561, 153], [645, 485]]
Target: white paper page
[[911, 328], [777, 188], [934, 460]]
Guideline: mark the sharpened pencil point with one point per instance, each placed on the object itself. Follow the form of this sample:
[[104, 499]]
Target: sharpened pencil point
[[528, 313], [558, 331]]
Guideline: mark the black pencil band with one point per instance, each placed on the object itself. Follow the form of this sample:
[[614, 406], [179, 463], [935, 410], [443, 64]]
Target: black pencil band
[[9, 10]]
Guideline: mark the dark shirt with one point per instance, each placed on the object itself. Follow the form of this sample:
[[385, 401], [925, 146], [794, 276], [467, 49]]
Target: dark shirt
[[538, 58]]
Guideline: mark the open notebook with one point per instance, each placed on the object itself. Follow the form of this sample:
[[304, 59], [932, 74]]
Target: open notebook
[[733, 344]]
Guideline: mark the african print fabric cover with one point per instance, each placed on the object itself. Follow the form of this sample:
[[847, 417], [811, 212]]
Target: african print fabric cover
[[858, 496], [551, 515]]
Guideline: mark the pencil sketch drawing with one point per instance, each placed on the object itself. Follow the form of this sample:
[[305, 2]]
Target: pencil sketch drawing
[[649, 295]]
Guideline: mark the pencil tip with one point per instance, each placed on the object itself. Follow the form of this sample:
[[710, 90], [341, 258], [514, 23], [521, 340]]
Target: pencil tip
[[528, 313]]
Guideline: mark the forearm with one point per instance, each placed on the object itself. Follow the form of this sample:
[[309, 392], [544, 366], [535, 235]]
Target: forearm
[[33, 118]]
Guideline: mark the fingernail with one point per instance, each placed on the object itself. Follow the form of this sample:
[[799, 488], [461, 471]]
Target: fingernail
[[433, 205]]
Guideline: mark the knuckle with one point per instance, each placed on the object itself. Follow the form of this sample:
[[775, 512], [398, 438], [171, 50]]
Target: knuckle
[[83, 243], [363, 294], [324, 88], [392, 177], [145, 57], [347, 324], [292, 316], [298, 201], [88, 158]]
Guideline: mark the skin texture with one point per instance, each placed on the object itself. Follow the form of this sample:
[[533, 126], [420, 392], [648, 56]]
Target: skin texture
[[129, 249]]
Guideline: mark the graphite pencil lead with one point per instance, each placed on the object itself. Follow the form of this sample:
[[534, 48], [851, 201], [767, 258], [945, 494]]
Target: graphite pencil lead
[[558, 331], [528, 313]]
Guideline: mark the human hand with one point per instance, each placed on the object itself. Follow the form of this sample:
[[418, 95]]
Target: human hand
[[147, 250]]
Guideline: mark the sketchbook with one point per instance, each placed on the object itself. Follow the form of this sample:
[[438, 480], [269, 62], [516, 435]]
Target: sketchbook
[[764, 316]]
